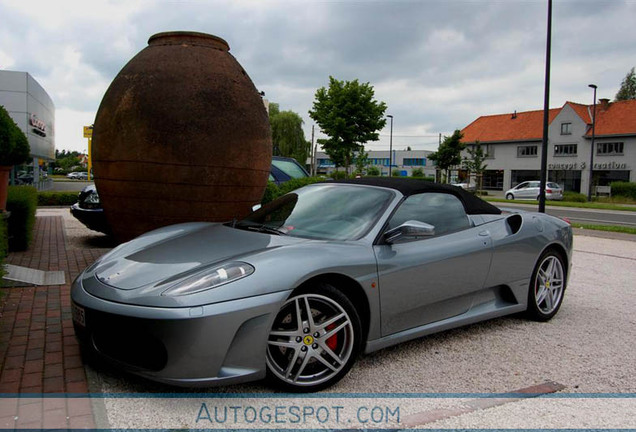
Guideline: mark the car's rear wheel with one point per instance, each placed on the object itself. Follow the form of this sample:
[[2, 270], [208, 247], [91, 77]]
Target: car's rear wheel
[[547, 286], [314, 340], [510, 196]]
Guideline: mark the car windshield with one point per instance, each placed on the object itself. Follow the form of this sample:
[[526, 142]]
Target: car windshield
[[290, 168], [322, 211], [554, 186]]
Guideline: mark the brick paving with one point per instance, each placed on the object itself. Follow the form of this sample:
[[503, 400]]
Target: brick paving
[[38, 350]]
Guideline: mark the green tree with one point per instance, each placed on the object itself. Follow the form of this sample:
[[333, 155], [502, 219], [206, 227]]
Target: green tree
[[475, 164], [14, 146], [628, 87], [350, 116], [417, 172], [362, 160], [448, 154], [288, 137]]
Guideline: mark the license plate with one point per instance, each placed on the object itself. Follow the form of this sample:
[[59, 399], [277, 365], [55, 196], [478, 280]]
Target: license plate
[[78, 314]]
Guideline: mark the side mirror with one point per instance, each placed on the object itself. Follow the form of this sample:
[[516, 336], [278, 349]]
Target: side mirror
[[410, 229], [256, 207]]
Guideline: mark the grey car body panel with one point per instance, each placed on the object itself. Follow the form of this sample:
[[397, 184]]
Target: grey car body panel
[[217, 332]]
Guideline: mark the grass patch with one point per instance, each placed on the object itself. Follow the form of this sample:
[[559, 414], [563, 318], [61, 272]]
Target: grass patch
[[592, 205], [610, 228]]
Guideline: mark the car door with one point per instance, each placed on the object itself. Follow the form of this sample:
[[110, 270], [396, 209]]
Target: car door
[[533, 189], [521, 191], [433, 278]]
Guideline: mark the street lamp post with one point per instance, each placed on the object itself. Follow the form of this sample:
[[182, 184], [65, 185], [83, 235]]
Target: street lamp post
[[391, 147], [589, 189]]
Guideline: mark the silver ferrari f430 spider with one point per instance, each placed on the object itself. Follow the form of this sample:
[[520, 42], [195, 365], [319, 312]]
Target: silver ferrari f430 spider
[[300, 287]]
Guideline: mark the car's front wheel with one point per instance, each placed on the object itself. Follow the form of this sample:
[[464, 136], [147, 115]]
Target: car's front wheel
[[547, 286], [314, 340], [510, 196]]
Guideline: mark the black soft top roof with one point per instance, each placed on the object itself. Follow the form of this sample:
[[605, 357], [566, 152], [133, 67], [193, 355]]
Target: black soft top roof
[[472, 204]]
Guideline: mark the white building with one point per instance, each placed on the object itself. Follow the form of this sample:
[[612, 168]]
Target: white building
[[513, 144], [404, 161], [33, 111]]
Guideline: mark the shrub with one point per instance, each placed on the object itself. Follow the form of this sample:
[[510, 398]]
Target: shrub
[[429, 179], [574, 196], [14, 145], [418, 172], [22, 203], [272, 191], [625, 189], [338, 175], [396, 173], [57, 198], [4, 242], [373, 171]]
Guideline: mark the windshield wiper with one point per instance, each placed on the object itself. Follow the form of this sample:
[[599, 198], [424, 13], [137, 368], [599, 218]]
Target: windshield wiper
[[260, 228]]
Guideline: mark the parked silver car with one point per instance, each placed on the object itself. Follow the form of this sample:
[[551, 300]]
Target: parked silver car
[[530, 190], [300, 287]]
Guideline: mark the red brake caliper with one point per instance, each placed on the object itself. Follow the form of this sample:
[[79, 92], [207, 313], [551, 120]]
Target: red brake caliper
[[332, 342]]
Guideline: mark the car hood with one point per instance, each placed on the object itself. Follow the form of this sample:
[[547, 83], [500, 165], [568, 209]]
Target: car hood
[[176, 252]]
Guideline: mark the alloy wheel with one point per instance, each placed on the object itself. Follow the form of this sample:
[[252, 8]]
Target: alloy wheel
[[549, 284], [311, 341]]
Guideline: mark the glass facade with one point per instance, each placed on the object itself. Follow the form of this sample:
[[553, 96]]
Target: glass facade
[[414, 162]]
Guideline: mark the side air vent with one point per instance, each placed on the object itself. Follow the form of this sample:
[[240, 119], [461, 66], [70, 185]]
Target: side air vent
[[514, 222]]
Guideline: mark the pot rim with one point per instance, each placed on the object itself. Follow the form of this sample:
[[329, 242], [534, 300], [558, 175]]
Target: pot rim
[[191, 37]]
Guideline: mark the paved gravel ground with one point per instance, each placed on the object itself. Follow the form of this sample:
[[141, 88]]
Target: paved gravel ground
[[588, 347]]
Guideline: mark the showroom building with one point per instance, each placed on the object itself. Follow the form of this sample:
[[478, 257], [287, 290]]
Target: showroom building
[[32, 109], [405, 161], [513, 144]]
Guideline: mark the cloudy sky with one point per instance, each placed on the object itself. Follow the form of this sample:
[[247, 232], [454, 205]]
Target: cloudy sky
[[438, 64]]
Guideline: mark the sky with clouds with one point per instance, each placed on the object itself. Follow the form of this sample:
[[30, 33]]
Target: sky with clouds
[[438, 64]]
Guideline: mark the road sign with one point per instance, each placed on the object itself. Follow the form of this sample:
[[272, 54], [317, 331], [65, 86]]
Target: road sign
[[88, 131]]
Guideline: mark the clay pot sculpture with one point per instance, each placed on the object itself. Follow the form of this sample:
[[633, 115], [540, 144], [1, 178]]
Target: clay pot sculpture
[[181, 135]]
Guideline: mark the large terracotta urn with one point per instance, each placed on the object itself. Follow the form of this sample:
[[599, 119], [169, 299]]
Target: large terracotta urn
[[181, 135]]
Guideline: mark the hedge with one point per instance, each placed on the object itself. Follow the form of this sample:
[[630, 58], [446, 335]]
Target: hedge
[[574, 197], [22, 203], [273, 191], [4, 243], [625, 189], [57, 198]]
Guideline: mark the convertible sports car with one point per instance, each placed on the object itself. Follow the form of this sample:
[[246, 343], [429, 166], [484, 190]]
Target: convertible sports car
[[300, 287]]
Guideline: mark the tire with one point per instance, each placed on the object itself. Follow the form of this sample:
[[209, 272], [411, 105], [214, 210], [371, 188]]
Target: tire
[[510, 196], [547, 286], [319, 352]]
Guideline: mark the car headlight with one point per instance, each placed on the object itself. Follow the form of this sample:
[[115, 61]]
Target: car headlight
[[91, 201], [212, 278]]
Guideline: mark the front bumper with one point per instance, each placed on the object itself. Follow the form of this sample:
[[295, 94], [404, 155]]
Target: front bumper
[[207, 345], [93, 219]]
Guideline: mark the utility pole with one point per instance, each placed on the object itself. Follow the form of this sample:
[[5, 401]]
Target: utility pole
[[546, 110], [313, 153]]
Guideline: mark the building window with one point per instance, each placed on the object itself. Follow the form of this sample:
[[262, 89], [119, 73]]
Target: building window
[[566, 128], [414, 162], [380, 161], [527, 151], [489, 151], [609, 149], [325, 163], [565, 150]]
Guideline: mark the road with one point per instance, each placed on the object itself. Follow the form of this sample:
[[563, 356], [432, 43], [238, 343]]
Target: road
[[586, 216], [69, 185]]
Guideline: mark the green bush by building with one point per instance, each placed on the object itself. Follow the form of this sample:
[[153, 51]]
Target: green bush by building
[[22, 203], [624, 189]]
